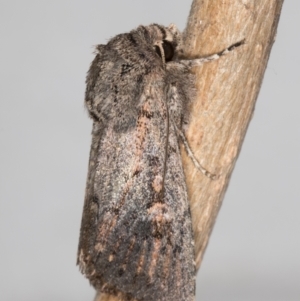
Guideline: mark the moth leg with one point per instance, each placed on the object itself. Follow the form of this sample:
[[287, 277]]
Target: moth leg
[[213, 57], [191, 155]]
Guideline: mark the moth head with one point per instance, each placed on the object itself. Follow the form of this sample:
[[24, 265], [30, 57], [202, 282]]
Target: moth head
[[165, 41]]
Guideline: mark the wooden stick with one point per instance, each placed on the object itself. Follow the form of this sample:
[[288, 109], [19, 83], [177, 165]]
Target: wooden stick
[[227, 92]]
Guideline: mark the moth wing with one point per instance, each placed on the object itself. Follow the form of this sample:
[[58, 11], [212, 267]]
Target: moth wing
[[136, 233]]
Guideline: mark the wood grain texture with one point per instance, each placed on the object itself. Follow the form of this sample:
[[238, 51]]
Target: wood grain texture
[[227, 92]]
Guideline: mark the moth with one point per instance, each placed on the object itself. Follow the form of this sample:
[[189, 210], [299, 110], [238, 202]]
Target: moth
[[136, 237]]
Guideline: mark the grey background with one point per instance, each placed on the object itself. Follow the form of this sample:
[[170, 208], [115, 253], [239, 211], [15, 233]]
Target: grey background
[[46, 49]]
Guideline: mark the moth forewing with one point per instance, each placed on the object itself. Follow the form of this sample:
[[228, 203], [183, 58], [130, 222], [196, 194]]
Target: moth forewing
[[136, 234]]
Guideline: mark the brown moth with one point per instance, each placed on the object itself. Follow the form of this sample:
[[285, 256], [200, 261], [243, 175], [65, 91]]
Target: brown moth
[[136, 238]]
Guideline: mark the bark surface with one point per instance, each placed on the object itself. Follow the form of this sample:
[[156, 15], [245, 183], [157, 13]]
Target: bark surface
[[227, 92]]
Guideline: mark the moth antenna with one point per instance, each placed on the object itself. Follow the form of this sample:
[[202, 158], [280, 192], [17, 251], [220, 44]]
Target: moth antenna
[[159, 45], [210, 58]]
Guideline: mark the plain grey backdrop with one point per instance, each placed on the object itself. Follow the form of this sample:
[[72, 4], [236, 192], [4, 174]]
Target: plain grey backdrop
[[46, 49]]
